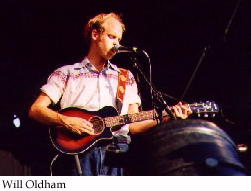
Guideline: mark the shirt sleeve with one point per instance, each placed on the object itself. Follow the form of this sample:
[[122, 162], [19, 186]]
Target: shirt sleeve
[[55, 85]]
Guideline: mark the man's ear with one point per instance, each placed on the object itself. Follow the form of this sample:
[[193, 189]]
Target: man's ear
[[95, 34]]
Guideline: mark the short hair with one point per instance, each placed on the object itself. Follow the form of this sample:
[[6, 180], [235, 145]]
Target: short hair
[[96, 23]]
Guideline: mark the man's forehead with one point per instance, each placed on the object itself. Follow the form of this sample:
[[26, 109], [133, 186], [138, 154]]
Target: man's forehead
[[113, 25]]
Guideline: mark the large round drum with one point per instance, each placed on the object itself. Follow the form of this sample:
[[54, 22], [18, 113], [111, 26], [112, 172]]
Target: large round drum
[[184, 147]]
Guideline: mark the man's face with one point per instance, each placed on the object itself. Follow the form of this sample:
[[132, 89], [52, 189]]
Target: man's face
[[110, 37]]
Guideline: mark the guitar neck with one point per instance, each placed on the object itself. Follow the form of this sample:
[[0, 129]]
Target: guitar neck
[[201, 108], [128, 118]]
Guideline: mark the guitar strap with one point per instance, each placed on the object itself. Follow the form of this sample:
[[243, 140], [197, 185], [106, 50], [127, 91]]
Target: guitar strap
[[115, 152], [122, 78]]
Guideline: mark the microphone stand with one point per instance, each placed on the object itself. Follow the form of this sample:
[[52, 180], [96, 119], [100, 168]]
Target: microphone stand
[[158, 102], [136, 65], [208, 47]]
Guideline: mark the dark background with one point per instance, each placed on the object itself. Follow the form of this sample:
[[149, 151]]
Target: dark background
[[199, 51]]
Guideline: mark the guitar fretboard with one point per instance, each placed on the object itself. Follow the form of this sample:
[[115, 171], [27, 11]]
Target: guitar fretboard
[[198, 108], [129, 118]]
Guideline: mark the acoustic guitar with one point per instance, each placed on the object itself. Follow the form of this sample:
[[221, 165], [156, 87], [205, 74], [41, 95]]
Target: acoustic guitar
[[104, 122]]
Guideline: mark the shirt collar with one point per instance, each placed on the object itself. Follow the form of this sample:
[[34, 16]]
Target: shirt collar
[[86, 61]]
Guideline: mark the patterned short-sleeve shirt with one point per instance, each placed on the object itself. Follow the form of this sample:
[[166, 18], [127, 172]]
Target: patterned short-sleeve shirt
[[81, 85]]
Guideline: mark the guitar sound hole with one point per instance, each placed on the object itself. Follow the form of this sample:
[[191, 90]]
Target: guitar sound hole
[[98, 125]]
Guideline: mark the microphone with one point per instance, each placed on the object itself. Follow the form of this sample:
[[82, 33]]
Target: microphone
[[120, 48]]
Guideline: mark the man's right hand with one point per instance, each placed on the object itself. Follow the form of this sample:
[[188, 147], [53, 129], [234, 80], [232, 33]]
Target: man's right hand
[[76, 124]]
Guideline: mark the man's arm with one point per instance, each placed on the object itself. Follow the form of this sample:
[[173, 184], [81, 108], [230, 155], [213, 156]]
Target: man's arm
[[41, 112], [180, 111]]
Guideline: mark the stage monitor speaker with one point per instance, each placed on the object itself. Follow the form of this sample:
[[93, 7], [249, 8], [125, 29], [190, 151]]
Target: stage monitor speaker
[[182, 148]]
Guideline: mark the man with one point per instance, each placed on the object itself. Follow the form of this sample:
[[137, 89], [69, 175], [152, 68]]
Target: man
[[92, 85]]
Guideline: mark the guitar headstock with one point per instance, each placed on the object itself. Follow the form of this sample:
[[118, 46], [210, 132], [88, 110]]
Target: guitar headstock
[[205, 109]]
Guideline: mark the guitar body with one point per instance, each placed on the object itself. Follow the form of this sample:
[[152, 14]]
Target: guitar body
[[70, 143]]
